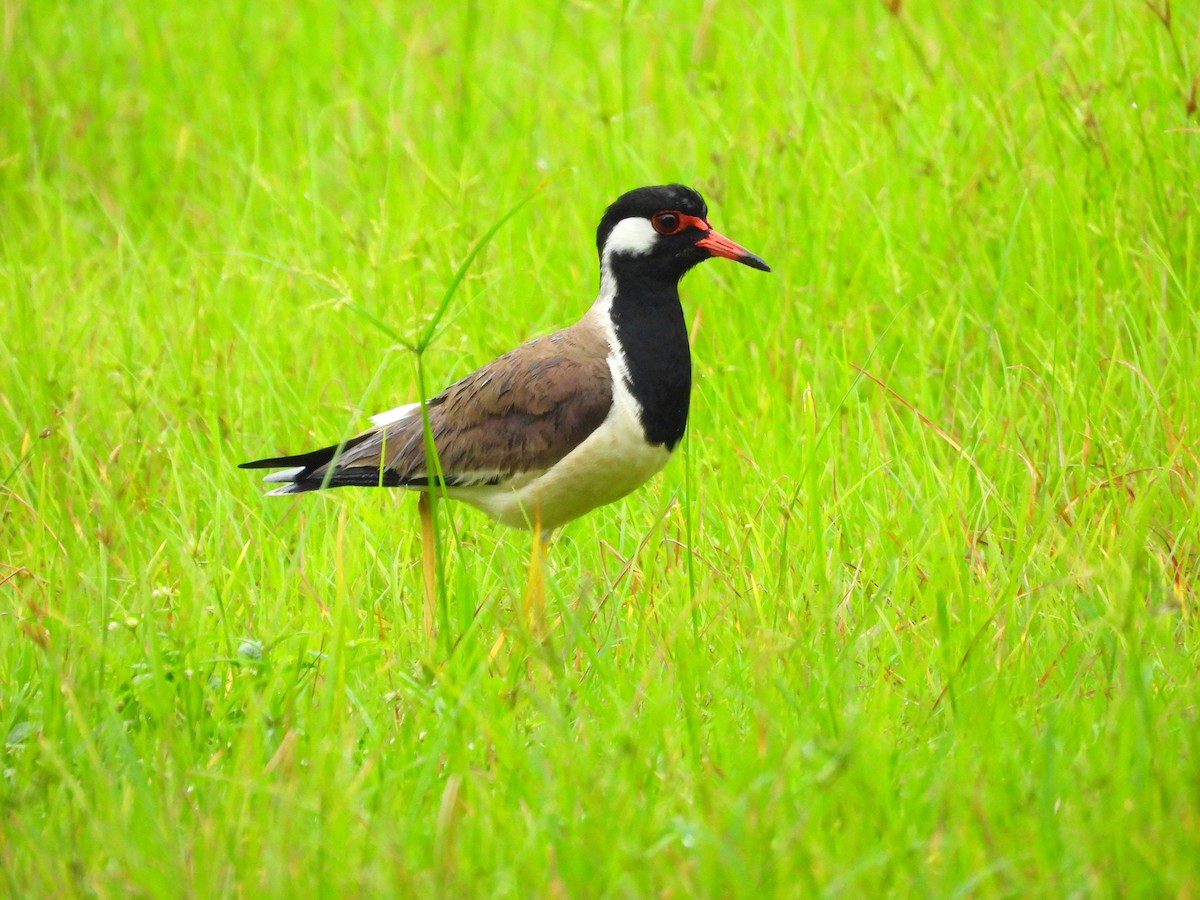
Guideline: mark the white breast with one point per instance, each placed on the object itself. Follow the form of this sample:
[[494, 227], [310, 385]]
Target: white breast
[[610, 463]]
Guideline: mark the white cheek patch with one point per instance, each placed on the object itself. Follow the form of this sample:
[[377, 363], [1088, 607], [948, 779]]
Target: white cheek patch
[[634, 236]]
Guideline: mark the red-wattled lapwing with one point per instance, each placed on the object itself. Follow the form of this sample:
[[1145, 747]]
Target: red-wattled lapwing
[[567, 422]]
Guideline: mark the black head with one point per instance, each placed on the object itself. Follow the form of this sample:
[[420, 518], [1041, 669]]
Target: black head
[[663, 230]]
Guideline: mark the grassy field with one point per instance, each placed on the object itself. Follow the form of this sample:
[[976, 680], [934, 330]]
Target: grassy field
[[915, 612]]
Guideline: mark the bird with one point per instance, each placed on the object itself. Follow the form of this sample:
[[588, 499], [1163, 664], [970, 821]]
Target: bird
[[569, 421]]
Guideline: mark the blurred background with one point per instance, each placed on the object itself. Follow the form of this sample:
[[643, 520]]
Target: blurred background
[[914, 613]]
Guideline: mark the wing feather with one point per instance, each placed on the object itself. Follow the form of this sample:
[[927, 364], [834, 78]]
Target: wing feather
[[522, 412]]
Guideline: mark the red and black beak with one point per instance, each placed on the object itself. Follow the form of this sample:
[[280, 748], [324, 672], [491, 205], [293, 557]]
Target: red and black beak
[[715, 244], [719, 245]]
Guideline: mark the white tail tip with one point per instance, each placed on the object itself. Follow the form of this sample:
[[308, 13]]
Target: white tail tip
[[287, 475]]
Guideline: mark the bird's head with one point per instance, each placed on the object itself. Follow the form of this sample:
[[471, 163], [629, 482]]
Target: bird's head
[[663, 231]]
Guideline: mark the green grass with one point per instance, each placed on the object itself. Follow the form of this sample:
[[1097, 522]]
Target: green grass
[[915, 612]]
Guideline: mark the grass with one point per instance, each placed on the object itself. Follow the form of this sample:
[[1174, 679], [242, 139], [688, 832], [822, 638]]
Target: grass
[[914, 612]]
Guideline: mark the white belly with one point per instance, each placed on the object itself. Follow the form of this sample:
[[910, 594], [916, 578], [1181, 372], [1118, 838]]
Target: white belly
[[610, 463]]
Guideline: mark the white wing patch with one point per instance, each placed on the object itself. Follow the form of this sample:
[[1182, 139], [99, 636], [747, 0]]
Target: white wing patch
[[396, 415]]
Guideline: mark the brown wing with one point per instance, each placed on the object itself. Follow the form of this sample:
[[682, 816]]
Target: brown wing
[[521, 412]]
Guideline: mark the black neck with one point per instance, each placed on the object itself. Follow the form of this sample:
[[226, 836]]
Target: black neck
[[653, 336]]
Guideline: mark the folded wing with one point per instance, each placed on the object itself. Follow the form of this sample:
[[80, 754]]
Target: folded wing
[[519, 414]]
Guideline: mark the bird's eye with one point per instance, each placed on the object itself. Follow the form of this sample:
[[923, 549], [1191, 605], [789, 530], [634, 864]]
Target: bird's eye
[[667, 222]]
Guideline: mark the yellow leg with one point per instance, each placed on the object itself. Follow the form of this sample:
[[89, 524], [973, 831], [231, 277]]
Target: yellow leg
[[535, 587], [428, 561]]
